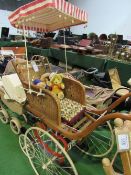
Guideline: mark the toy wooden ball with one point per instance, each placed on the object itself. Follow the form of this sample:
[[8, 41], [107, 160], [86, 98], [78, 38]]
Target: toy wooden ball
[[118, 122]]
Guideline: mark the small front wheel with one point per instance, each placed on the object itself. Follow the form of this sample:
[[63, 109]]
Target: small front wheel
[[15, 126], [4, 117]]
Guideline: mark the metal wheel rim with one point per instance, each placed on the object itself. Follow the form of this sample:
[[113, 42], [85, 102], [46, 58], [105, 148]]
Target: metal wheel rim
[[22, 145], [106, 151], [49, 167]]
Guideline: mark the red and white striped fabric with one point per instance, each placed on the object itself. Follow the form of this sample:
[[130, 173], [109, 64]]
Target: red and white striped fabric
[[47, 15]]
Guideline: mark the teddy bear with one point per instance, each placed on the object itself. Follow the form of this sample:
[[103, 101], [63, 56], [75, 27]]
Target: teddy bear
[[57, 85]]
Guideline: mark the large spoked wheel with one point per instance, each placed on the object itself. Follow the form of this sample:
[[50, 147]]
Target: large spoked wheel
[[50, 157], [4, 117], [99, 143], [30, 147]]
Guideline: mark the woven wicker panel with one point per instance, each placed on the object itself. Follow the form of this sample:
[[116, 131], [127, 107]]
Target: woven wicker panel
[[48, 105], [22, 71], [96, 95], [74, 90], [41, 60]]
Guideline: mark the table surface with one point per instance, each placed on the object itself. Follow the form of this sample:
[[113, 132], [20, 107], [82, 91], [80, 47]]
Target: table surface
[[86, 61], [103, 63]]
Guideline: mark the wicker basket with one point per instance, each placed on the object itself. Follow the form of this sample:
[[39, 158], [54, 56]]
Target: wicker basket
[[49, 105]]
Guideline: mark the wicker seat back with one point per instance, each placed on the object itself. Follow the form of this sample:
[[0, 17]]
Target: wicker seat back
[[74, 90], [22, 71], [46, 104]]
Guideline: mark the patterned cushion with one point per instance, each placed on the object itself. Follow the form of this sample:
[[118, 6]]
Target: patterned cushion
[[72, 112], [69, 108]]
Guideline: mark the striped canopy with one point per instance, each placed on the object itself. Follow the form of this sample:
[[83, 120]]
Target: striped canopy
[[47, 15]]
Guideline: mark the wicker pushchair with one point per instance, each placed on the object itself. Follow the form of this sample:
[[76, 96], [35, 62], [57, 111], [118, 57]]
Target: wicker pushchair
[[57, 125]]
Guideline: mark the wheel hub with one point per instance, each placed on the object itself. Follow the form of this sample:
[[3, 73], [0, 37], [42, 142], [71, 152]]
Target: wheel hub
[[44, 167]]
